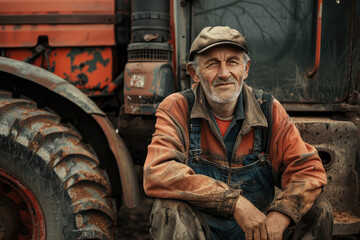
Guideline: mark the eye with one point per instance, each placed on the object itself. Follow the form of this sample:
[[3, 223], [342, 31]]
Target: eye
[[233, 63], [212, 65]]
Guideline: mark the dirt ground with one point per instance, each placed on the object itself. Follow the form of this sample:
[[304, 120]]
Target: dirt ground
[[134, 223]]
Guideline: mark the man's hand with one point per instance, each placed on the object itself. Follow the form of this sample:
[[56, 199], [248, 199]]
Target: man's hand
[[250, 219], [276, 223]]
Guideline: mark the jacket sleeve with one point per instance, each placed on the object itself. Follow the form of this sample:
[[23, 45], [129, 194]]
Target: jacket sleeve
[[166, 174], [303, 175]]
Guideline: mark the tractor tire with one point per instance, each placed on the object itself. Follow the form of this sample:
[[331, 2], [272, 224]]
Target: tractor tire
[[50, 180]]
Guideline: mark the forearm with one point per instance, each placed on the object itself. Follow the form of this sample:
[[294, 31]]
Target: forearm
[[303, 174], [295, 201], [175, 180], [302, 182], [276, 223]]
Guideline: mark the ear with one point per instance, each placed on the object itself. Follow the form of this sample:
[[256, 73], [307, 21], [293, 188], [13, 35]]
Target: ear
[[247, 68], [192, 72]]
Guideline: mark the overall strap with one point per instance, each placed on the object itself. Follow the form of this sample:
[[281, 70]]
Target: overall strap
[[190, 99], [261, 136], [265, 101], [266, 104], [193, 125], [195, 138], [258, 140]]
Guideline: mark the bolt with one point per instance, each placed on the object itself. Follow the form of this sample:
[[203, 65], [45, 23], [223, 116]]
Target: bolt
[[22, 206], [39, 48], [183, 3], [263, 161]]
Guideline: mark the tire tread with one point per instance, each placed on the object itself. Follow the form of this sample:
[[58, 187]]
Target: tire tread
[[58, 153]]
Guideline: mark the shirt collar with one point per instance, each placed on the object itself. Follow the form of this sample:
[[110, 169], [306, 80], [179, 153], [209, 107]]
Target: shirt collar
[[239, 110], [247, 108]]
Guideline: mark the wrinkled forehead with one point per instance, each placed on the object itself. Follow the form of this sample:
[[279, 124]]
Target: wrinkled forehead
[[222, 52]]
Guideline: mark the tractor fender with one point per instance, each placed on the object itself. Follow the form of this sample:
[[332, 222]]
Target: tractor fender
[[69, 102]]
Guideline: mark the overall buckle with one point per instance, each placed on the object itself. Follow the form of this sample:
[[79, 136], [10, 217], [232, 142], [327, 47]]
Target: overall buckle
[[195, 153]]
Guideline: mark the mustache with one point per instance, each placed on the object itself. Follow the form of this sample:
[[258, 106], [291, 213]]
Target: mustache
[[219, 81]]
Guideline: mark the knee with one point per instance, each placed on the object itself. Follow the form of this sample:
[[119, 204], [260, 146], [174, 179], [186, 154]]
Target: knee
[[322, 209], [173, 219], [321, 215], [167, 210], [317, 223]]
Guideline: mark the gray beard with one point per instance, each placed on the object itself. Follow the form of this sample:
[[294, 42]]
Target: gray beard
[[213, 96]]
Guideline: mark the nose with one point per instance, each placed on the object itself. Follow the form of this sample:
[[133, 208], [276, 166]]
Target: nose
[[224, 71]]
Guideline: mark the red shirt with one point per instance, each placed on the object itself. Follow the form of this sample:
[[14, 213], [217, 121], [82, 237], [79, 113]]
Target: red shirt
[[222, 124]]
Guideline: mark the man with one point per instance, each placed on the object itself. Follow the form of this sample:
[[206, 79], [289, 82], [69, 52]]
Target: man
[[205, 164]]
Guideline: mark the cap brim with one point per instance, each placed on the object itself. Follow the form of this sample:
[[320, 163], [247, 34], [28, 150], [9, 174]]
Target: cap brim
[[223, 43]]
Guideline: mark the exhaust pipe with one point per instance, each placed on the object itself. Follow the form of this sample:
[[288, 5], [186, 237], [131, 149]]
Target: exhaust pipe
[[148, 73], [150, 21]]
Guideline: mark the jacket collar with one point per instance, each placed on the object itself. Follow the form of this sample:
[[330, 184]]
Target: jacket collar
[[254, 116]]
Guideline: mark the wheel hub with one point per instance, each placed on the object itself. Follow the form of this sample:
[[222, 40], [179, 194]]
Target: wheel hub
[[9, 218], [21, 216]]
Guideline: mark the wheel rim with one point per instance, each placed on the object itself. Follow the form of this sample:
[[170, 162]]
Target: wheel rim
[[21, 216]]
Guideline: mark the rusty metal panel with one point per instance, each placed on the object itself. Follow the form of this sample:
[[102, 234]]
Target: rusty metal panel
[[60, 35], [89, 69], [57, 19], [336, 142], [330, 107], [146, 85], [49, 80], [55, 6]]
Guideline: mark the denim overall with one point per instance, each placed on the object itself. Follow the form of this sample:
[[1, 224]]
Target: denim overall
[[254, 179]]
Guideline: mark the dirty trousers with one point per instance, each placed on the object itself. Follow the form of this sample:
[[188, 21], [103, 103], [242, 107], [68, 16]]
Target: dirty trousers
[[173, 219]]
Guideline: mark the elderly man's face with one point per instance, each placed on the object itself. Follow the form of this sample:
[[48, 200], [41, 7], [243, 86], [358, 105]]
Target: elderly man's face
[[221, 72]]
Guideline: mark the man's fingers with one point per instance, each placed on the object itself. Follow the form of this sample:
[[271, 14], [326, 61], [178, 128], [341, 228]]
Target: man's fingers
[[263, 232], [250, 219], [249, 235], [256, 234]]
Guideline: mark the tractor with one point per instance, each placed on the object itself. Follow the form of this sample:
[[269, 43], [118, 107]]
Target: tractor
[[80, 82]]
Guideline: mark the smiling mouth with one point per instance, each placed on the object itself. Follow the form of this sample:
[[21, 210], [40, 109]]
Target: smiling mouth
[[224, 84]]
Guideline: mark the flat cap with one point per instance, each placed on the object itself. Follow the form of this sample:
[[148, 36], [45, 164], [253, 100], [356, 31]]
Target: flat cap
[[214, 36]]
